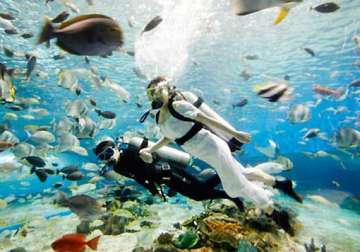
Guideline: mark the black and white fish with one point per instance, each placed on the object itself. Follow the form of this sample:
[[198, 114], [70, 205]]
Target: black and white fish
[[274, 91]]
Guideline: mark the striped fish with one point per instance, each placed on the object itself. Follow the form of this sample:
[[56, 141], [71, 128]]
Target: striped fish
[[274, 92]]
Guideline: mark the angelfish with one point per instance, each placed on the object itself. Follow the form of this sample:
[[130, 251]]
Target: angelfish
[[246, 7]]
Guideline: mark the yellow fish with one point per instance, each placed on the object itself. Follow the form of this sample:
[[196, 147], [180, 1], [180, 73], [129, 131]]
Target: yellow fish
[[246, 7]]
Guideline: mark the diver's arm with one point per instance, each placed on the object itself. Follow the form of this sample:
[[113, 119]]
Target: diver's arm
[[161, 143], [211, 122], [145, 153]]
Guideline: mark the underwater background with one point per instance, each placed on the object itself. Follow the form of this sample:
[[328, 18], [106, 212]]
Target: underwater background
[[202, 47]]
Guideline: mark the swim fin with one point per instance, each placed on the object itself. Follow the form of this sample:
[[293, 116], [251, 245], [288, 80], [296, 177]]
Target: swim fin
[[286, 186]]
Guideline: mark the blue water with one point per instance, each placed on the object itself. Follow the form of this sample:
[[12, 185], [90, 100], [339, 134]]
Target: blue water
[[209, 61]]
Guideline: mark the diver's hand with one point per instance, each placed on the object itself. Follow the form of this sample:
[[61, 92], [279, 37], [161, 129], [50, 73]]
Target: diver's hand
[[243, 136], [145, 155]]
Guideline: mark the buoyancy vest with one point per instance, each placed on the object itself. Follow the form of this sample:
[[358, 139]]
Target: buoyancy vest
[[232, 142]]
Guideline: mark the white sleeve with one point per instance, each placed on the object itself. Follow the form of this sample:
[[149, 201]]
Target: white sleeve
[[186, 109]]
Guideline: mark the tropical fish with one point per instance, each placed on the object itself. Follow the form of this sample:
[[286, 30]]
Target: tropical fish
[[42, 137], [30, 65], [63, 126], [92, 102], [245, 75], [81, 189], [106, 114], [67, 141], [85, 207], [326, 7], [59, 56], [347, 138], [7, 136], [357, 40], [6, 24], [68, 169], [27, 35], [311, 133], [73, 7], [152, 24], [75, 176], [58, 185], [67, 79], [91, 35], [11, 31], [309, 51], [284, 161], [85, 127], [7, 16], [8, 52], [299, 113], [10, 116], [270, 151], [23, 150], [321, 200], [121, 92], [355, 83], [35, 161], [74, 243], [274, 92], [107, 124], [41, 174], [271, 167], [49, 171], [252, 57], [80, 151], [39, 111], [4, 145], [61, 17], [3, 204], [246, 7], [76, 108], [7, 89], [241, 103], [339, 93]]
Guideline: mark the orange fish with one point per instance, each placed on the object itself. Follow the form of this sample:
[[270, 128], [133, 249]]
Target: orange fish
[[6, 145], [74, 243], [335, 93]]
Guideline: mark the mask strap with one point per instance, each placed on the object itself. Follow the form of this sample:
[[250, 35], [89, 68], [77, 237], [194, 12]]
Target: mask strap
[[144, 116]]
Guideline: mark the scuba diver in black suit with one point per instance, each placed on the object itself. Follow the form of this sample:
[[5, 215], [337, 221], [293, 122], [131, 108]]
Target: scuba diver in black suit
[[170, 167]]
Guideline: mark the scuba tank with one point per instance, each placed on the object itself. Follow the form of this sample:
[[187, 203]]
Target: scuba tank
[[166, 154]]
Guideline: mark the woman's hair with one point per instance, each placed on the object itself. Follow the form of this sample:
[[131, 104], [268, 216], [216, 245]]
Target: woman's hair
[[159, 79], [156, 81]]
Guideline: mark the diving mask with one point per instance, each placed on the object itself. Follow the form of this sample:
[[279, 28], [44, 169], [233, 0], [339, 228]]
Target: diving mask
[[106, 154]]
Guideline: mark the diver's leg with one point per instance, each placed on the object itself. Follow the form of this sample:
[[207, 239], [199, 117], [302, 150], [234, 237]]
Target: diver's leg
[[209, 177], [215, 152], [286, 186]]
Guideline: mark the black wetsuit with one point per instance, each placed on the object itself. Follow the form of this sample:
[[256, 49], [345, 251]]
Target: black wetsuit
[[177, 178]]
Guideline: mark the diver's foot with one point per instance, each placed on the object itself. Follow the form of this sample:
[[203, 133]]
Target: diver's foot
[[287, 187], [239, 204], [282, 219]]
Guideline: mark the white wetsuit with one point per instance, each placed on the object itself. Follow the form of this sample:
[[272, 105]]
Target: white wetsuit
[[215, 151]]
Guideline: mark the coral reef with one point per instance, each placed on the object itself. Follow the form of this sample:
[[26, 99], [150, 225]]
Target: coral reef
[[222, 227], [312, 248]]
